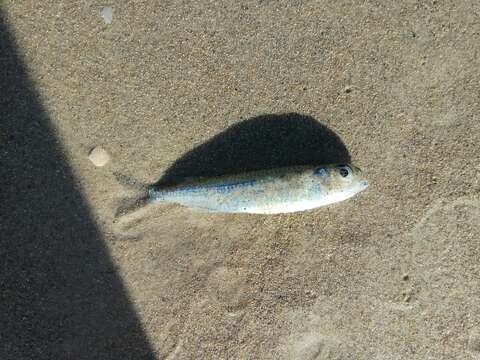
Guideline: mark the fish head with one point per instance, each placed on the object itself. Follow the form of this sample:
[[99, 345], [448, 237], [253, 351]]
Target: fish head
[[342, 177]]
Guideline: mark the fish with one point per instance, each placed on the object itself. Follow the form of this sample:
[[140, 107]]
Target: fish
[[273, 191]]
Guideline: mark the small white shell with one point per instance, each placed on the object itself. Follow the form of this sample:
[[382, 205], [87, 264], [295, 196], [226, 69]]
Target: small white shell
[[99, 157], [107, 14]]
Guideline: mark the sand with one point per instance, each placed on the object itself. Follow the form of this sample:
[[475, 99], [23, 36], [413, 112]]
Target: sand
[[174, 89]]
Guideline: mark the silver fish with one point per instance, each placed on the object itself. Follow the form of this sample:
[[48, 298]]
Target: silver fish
[[282, 190]]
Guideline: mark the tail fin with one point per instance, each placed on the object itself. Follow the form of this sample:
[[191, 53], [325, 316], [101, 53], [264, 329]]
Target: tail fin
[[129, 182], [139, 200], [131, 204]]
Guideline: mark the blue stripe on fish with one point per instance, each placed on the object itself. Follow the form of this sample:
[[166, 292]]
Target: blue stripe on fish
[[221, 187]]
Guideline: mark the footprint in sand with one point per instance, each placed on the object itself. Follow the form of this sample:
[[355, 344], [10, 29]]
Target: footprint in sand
[[227, 286], [315, 346], [441, 257], [445, 250]]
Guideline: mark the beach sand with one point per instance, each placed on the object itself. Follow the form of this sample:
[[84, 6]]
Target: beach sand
[[170, 86]]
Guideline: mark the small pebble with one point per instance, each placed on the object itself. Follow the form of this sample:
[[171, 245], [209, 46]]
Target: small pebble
[[407, 296], [107, 14], [347, 89], [99, 157], [405, 277]]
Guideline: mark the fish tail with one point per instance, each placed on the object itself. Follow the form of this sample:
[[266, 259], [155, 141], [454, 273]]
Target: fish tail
[[129, 182], [129, 205], [142, 196]]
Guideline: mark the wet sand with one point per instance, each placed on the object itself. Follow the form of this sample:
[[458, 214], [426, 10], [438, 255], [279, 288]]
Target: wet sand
[[171, 89]]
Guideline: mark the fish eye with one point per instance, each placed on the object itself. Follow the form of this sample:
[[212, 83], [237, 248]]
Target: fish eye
[[344, 170]]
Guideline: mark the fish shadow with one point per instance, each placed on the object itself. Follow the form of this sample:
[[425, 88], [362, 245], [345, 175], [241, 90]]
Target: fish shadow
[[259, 143]]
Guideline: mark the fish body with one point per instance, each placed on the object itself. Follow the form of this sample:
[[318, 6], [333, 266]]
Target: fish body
[[281, 190]]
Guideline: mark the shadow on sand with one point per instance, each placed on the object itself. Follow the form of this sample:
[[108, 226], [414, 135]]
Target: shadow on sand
[[262, 142], [60, 295]]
